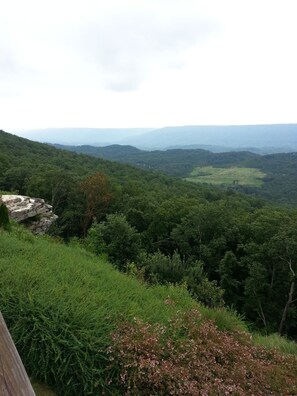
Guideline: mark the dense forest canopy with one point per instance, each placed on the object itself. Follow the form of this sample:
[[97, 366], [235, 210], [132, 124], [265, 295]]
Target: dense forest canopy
[[227, 248]]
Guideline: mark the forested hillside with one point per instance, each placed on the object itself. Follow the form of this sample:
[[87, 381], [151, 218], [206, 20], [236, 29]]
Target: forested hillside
[[227, 248], [175, 162], [279, 183]]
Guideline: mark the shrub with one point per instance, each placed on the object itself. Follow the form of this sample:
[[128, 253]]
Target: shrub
[[190, 356], [162, 269], [115, 237]]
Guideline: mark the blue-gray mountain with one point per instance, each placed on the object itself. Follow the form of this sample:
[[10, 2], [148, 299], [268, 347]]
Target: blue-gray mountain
[[94, 136], [269, 138], [244, 136]]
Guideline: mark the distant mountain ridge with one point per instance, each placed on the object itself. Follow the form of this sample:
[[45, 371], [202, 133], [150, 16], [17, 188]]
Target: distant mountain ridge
[[266, 138], [242, 136], [80, 136]]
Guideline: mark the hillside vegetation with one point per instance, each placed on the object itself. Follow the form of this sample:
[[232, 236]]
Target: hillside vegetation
[[86, 329], [279, 184], [137, 303], [226, 248], [62, 305]]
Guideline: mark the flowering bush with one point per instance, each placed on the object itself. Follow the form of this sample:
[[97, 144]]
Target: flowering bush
[[192, 357]]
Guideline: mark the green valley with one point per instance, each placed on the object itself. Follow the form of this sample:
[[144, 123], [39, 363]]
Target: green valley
[[279, 184]]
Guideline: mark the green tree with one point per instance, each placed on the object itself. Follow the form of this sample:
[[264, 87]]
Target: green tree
[[53, 185], [168, 216], [15, 179], [162, 269], [201, 288], [232, 276], [94, 242], [270, 256], [4, 218], [203, 235], [96, 190], [285, 250]]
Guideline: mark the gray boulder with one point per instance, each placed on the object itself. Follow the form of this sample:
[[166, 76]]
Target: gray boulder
[[37, 215]]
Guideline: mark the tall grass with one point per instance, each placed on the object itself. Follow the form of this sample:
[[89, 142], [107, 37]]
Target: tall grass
[[225, 319], [62, 304], [275, 341]]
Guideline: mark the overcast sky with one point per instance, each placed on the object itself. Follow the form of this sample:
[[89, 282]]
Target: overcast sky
[[147, 63]]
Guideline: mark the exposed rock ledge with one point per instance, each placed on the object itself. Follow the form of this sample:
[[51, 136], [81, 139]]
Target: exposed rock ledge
[[33, 211]]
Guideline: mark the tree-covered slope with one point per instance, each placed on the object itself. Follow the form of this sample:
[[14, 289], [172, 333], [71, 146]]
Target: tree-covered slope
[[174, 162], [279, 185], [37, 169]]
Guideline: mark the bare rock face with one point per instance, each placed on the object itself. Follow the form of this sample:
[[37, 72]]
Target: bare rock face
[[37, 215]]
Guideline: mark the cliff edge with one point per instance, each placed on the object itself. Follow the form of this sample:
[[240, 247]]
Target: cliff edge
[[34, 212]]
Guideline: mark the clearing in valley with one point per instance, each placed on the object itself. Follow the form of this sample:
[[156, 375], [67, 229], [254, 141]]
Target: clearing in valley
[[227, 176]]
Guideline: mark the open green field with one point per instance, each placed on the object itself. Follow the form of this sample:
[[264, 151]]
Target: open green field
[[227, 176]]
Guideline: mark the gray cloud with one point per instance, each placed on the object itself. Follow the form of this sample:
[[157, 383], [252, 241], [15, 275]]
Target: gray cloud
[[125, 47], [8, 64], [15, 74], [9, 73]]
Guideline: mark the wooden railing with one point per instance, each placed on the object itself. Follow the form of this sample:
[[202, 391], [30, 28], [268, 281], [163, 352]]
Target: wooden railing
[[14, 380]]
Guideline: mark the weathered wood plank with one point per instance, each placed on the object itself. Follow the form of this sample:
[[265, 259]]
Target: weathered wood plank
[[14, 380]]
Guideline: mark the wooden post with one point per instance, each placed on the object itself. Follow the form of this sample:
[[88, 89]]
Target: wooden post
[[14, 380]]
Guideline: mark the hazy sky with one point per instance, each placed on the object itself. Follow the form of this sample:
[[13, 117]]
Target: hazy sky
[[147, 63]]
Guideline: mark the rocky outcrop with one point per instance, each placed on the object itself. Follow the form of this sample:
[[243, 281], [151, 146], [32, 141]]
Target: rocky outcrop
[[37, 215]]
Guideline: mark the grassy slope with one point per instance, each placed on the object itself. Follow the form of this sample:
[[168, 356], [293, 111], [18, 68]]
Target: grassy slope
[[227, 176], [62, 305]]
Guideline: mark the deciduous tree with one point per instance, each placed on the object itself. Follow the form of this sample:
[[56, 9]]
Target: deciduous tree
[[96, 191]]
